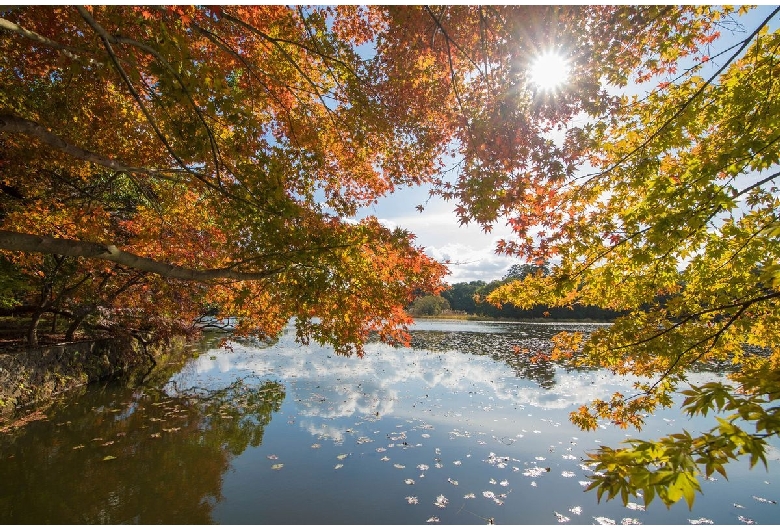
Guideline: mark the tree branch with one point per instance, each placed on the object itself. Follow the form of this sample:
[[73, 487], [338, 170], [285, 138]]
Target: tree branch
[[17, 241], [15, 124]]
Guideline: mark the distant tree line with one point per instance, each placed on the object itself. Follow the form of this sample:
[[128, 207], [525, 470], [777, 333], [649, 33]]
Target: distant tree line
[[469, 297]]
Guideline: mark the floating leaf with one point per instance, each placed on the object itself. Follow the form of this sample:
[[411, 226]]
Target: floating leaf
[[109, 457], [441, 501], [342, 457], [277, 466], [767, 501], [338, 466]]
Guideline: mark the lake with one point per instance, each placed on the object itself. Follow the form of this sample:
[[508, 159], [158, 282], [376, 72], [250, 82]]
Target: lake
[[455, 429]]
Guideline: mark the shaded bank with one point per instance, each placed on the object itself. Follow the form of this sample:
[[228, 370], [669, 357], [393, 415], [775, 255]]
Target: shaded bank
[[35, 375]]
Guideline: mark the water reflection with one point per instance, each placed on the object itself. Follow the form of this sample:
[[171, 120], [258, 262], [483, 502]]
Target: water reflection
[[456, 429], [122, 456]]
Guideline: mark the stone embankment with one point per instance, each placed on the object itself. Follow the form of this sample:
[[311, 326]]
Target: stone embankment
[[36, 375]]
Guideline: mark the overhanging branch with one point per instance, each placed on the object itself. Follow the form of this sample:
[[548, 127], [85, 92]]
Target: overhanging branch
[[17, 241]]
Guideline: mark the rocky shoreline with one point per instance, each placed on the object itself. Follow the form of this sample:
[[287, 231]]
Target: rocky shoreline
[[35, 375]]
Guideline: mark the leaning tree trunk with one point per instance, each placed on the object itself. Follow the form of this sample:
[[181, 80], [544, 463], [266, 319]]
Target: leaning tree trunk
[[32, 330], [78, 319]]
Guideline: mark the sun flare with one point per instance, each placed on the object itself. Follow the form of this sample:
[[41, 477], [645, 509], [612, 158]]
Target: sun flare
[[549, 71]]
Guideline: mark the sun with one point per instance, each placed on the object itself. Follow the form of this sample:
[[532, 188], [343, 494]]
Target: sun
[[549, 71]]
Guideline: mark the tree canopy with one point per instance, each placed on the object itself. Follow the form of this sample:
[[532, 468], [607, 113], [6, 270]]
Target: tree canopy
[[156, 161], [159, 160], [672, 217]]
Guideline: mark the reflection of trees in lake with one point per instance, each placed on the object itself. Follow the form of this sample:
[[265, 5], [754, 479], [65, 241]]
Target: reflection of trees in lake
[[530, 341], [147, 458]]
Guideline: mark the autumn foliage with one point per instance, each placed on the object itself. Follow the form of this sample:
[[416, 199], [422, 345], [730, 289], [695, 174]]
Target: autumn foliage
[[157, 161]]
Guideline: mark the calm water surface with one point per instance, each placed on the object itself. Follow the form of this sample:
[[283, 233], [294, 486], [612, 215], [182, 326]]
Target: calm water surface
[[455, 430]]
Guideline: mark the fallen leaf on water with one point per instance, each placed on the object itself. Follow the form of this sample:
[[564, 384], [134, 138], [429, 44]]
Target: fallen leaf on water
[[441, 501], [277, 466], [767, 501], [338, 466], [109, 457], [342, 457], [78, 447]]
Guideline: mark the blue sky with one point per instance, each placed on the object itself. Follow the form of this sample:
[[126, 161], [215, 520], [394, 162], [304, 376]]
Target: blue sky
[[470, 250]]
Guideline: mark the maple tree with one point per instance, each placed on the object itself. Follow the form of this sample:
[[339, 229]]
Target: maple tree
[[669, 213], [159, 160]]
